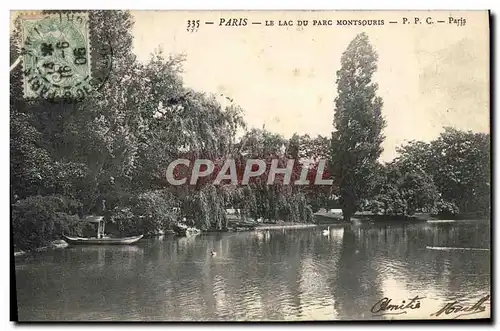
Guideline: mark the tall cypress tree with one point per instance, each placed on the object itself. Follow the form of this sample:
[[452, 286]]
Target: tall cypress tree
[[358, 125]]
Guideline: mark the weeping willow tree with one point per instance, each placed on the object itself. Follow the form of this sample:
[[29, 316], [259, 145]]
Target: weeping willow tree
[[280, 200], [277, 202], [272, 202], [205, 205]]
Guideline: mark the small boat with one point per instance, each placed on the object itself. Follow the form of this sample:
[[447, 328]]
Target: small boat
[[101, 238], [101, 241]]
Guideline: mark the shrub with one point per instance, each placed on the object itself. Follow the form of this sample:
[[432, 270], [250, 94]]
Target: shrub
[[38, 220], [445, 209], [156, 210], [125, 221]]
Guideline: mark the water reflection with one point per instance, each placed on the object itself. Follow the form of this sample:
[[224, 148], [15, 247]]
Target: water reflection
[[263, 275]]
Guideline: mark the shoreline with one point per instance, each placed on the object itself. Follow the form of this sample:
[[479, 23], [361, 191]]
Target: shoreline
[[285, 226], [368, 218], [321, 219], [59, 243]]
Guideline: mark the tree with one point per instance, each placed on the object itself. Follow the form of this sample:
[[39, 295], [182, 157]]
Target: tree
[[459, 163], [462, 168], [301, 147], [261, 143], [37, 220], [358, 124], [402, 189], [72, 138], [305, 148], [74, 150]]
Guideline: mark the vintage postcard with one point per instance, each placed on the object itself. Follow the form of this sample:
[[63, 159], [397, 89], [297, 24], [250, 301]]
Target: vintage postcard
[[250, 165]]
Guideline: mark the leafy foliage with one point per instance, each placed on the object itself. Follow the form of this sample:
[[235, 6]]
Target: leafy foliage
[[445, 208], [37, 220], [156, 209], [402, 190], [459, 163]]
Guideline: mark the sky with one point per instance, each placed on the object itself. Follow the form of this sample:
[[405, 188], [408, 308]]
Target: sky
[[429, 75]]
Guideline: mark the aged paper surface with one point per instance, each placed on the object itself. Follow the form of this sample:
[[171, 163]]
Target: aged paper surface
[[250, 165]]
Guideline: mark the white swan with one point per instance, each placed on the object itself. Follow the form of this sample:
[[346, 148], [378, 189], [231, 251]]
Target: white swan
[[326, 232]]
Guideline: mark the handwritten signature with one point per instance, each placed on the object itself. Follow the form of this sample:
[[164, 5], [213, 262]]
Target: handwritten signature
[[384, 306], [455, 307]]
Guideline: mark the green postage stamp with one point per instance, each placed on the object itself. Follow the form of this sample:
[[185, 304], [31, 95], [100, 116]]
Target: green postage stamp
[[56, 55]]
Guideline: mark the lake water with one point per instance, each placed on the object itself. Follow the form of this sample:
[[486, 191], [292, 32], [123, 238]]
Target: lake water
[[263, 275]]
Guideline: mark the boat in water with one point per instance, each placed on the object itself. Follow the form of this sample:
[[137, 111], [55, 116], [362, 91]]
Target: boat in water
[[101, 238]]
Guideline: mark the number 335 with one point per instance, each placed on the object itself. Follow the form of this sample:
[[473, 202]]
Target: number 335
[[193, 25]]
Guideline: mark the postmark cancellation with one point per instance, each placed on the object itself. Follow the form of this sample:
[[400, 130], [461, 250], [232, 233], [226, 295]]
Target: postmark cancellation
[[56, 55]]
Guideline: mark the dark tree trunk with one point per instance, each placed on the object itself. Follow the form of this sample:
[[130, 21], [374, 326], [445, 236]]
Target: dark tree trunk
[[349, 202], [346, 214]]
